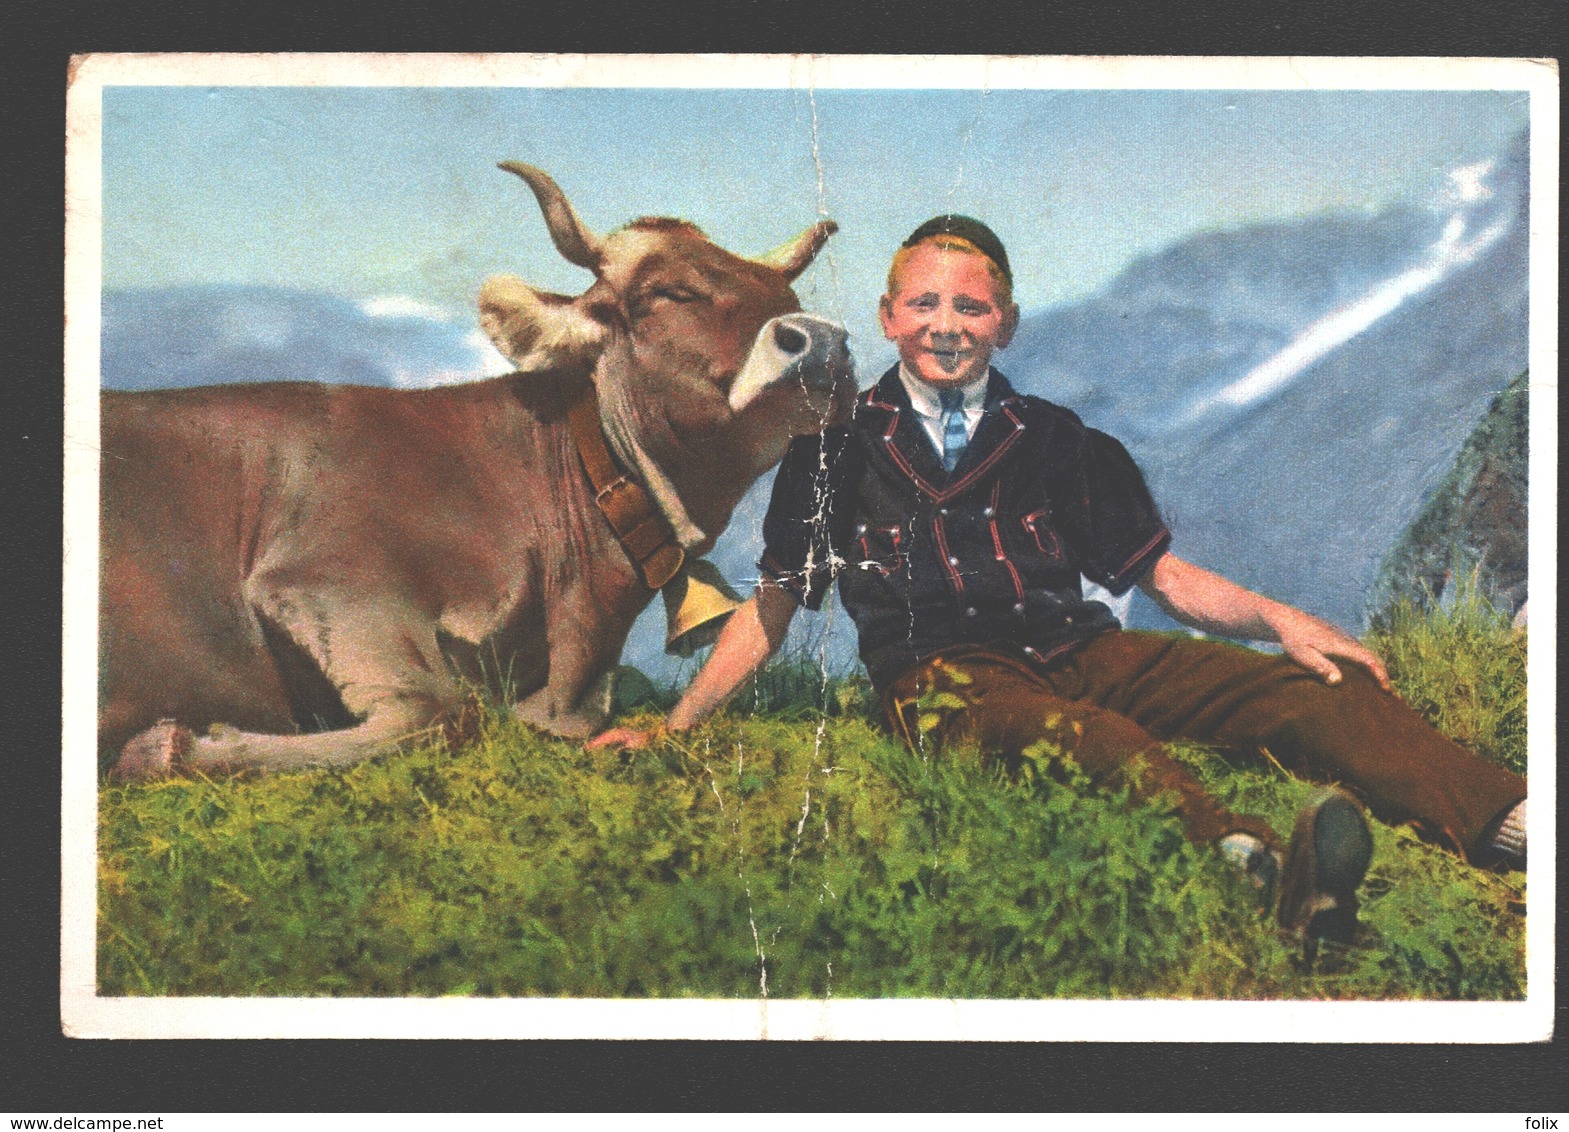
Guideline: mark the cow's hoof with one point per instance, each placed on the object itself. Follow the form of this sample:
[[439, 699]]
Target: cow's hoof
[[155, 753]]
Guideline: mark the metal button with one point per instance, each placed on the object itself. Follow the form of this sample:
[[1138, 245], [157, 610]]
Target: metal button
[[953, 560], [860, 529], [1019, 608], [989, 512], [970, 612], [1067, 621], [942, 510]]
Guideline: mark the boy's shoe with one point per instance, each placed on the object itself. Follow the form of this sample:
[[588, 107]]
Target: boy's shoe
[[1328, 857]]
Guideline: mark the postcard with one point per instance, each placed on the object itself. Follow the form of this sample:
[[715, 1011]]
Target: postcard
[[733, 546]]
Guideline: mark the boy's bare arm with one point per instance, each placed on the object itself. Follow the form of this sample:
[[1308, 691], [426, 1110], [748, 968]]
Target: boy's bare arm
[[752, 635], [1210, 603]]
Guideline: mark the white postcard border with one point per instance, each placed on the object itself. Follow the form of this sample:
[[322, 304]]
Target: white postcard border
[[85, 1014]]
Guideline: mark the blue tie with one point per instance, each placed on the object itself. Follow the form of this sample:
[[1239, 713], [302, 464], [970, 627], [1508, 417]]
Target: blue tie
[[954, 434]]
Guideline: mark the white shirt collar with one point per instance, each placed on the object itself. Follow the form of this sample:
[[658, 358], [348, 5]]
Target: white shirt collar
[[924, 399]]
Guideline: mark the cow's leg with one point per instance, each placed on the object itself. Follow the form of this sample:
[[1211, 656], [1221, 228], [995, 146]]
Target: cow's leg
[[585, 717], [575, 701], [169, 748], [382, 659]]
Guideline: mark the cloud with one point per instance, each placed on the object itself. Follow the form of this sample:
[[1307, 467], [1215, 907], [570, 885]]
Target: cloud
[[403, 306]]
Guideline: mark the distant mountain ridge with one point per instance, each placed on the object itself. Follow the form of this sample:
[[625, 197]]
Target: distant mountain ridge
[[216, 335], [1178, 321]]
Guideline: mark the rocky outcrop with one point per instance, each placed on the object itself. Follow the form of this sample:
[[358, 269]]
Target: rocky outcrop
[[1474, 524]]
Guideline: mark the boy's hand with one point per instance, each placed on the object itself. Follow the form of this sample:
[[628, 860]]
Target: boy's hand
[[620, 738], [1311, 642]]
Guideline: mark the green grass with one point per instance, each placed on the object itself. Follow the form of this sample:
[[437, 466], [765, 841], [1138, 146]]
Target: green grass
[[782, 851], [1462, 667]]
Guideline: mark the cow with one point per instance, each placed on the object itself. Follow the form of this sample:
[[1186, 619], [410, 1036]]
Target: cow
[[302, 575]]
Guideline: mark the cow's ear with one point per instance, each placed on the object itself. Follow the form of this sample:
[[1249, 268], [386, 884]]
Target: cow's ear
[[536, 330]]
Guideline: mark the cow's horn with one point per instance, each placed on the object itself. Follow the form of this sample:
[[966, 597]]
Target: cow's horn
[[573, 239], [698, 602], [793, 256]]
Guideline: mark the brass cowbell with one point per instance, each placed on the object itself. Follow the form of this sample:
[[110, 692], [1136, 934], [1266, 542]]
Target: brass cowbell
[[698, 602]]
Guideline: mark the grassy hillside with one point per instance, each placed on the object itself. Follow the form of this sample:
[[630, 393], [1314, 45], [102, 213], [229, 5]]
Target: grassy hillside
[[780, 850]]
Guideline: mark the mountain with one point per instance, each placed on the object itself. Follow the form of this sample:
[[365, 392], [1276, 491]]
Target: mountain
[[1201, 312]]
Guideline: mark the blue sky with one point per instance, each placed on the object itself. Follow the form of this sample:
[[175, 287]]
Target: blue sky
[[367, 192]]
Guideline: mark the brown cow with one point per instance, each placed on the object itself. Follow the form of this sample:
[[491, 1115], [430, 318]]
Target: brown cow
[[303, 575]]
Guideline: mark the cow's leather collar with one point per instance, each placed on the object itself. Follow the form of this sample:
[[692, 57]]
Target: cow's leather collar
[[640, 527]]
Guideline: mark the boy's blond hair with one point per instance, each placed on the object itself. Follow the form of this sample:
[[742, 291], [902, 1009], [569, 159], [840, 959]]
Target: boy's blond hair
[[951, 243]]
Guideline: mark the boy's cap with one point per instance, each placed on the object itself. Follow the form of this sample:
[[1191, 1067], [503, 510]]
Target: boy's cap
[[966, 228]]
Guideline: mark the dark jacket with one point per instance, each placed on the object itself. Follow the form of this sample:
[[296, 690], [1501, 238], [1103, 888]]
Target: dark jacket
[[990, 553]]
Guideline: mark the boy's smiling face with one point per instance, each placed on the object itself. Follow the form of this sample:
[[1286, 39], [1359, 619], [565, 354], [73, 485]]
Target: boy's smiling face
[[947, 315]]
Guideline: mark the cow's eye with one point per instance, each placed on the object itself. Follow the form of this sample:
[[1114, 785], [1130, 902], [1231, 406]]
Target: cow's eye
[[651, 299]]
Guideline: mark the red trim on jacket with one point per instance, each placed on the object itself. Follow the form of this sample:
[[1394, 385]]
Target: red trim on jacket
[[1002, 555], [937, 494], [1140, 553]]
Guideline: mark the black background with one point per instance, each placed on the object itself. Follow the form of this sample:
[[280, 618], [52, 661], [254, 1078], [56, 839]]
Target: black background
[[43, 1072]]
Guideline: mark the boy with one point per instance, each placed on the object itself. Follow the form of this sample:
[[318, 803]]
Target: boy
[[957, 517]]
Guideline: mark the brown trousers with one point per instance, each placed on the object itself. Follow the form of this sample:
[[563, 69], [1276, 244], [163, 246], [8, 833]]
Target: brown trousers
[[1111, 702]]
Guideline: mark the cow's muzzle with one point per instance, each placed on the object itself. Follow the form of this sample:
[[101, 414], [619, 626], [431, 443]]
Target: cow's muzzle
[[810, 352]]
